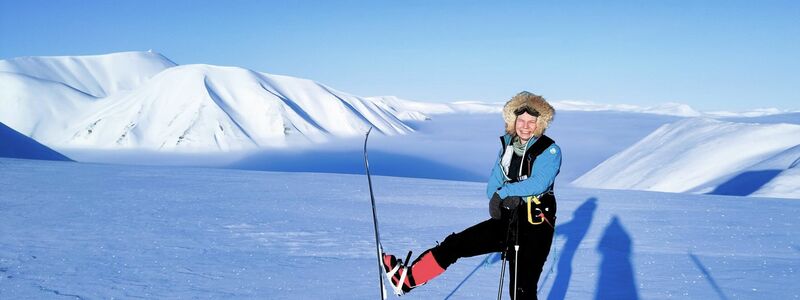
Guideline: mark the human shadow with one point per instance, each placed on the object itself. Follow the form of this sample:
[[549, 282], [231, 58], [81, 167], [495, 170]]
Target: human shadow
[[616, 279], [574, 231], [745, 183]]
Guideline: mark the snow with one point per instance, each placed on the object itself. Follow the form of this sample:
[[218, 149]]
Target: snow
[[144, 101], [111, 231], [459, 147], [284, 211], [669, 109], [417, 111], [149, 103], [697, 154], [95, 75]]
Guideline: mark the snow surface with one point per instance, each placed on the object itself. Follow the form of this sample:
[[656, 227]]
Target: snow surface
[[95, 75], [109, 231], [702, 155]]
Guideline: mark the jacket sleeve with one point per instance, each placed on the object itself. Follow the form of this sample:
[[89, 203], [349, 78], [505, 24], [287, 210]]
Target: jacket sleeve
[[545, 169], [496, 179]]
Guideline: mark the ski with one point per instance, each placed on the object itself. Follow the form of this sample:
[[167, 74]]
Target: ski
[[378, 246]]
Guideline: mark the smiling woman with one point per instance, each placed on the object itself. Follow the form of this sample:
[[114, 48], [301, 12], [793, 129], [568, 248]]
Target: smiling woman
[[522, 207]]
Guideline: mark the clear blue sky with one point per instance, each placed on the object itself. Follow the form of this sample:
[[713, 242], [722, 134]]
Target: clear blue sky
[[731, 55]]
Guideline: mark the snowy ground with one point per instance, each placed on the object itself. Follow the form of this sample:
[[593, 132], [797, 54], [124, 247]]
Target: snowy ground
[[94, 231]]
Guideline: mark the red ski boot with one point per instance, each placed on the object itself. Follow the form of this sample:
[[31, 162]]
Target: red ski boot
[[403, 278]]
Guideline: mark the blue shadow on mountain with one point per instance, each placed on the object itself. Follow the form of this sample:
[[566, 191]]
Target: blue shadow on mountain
[[617, 280], [16, 145], [574, 231], [746, 183], [352, 162]]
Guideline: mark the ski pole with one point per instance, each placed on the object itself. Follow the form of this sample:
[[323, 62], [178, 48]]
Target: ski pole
[[378, 246], [502, 273], [516, 261], [503, 268]]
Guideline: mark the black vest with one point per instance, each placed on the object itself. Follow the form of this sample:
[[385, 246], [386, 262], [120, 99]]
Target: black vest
[[548, 199]]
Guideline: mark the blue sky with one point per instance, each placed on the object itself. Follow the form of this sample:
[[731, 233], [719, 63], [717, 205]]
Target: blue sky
[[732, 55]]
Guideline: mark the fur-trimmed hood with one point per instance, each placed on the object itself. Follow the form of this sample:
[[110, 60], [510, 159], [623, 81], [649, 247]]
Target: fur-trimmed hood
[[533, 101]]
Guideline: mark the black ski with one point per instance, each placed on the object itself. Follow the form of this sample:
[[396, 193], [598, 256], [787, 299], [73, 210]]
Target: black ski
[[378, 246]]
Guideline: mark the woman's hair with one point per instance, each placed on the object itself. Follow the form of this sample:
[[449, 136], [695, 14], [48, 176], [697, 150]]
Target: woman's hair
[[534, 105]]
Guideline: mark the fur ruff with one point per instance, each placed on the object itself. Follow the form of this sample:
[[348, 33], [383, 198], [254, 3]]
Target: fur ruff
[[536, 102]]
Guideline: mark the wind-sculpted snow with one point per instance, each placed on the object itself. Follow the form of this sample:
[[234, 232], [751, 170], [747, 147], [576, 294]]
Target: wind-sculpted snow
[[703, 155], [97, 231]]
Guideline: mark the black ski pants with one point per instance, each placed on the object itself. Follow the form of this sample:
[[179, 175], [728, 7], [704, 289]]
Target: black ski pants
[[490, 236]]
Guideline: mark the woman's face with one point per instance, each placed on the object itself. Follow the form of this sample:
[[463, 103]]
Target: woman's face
[[525, 126]]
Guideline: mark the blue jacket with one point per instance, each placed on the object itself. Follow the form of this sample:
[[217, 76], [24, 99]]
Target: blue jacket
[[545, 168]]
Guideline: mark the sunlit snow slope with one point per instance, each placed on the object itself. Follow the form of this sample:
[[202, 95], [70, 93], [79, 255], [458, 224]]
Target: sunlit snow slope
[[708, 156], [141, 100]]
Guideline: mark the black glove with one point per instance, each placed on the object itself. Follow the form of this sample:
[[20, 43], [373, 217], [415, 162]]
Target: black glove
[[511, 203], [495, 205]]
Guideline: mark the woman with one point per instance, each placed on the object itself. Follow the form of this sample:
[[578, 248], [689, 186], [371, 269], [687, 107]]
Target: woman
[[522, 207]]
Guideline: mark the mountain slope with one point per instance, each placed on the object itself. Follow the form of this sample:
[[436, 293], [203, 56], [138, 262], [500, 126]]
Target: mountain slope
[[95, 75], [40, 108], [693, 155]]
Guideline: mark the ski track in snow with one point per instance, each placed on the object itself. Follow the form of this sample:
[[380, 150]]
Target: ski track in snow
[[92, 231]]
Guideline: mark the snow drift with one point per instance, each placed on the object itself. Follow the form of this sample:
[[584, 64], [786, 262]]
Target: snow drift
[[704, 156]]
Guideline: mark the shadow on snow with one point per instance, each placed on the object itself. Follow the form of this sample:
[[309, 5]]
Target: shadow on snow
[[708, 277], [574, 231], [745, 183], [352, 162], [616, 279]]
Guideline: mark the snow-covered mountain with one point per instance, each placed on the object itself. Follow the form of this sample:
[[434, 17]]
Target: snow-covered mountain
[[669, 109], [706, 156], [141, 100], [415, 110]]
